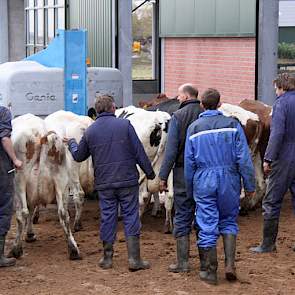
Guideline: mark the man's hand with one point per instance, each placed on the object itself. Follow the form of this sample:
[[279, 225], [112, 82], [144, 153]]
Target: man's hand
[[250, 194], [18, 164], [163, 186], [65, 140], [266, 168]]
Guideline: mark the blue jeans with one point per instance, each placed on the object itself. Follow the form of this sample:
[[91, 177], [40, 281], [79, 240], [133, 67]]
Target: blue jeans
[[109, 200], [183, 205], [6, 194]]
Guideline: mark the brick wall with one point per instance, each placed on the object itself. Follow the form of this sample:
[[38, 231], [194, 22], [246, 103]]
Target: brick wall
[[227, 64]]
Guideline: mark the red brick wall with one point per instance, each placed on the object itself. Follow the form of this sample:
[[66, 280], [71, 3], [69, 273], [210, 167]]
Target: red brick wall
[[227, 64]]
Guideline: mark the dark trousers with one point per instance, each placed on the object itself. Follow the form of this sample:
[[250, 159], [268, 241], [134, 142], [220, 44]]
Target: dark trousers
[[6, 194], [281, 178], [183, 205], [109, 200]]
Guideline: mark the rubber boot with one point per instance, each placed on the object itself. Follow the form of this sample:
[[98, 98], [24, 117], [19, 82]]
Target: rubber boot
[[134, 259], [229, 244], [5, 262], [182, 249], [203, 273], [106, 261], [270, 232], [209, 256]]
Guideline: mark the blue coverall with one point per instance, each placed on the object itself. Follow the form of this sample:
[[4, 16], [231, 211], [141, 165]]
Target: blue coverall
[[115, 149], [6, 180], [281, 153], [216, 157]]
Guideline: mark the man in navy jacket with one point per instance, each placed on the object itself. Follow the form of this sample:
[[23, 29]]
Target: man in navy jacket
[[115, 150], [8, 160], [279, 160]]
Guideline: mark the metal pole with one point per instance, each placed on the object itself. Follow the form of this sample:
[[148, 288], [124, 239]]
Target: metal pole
[[125, 48], [4, 45], [267, 49]]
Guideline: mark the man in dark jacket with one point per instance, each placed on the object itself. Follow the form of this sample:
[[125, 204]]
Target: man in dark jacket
[[8, 159], [115, 150], [279, 160], [188, 112]]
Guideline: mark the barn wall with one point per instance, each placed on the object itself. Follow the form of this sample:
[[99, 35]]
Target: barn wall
[[227, 64]]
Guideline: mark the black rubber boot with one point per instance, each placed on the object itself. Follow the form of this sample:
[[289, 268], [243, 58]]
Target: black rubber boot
[[209, 256], [270, 232], [134, 259], [229, 244], [5, 262], [182, 249], [204, 263], [106, 261]]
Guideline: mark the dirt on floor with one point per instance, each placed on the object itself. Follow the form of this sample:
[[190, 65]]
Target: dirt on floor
[[45, 268]]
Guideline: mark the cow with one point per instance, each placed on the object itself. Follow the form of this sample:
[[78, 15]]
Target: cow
[[151, 128], [144, 104], [44, 178], [253, 129], [264, 113], [69, 125]]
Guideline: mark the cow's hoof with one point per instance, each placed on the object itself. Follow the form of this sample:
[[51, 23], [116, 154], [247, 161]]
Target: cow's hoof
[[167, 229], [30, 238], [16, 252], [36, 219], [74, 253], [78, 226]]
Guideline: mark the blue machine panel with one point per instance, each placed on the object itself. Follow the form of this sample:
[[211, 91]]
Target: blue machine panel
[[75, 71]]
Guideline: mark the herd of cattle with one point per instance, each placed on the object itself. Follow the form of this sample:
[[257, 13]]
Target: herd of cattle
[[50, 175]]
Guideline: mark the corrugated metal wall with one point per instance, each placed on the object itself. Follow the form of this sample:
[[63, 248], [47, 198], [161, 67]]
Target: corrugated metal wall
[[96, 17], [193, 18]]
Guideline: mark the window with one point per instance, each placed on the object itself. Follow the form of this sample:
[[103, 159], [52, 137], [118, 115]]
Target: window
[[43, 18]]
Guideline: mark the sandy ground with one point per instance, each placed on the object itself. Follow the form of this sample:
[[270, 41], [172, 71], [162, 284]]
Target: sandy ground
[[45, 269]]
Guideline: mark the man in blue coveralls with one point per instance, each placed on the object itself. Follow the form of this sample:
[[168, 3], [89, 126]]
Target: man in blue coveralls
[[188, 111], [216, 157], [279, 160], [8, 159], [115, 150]]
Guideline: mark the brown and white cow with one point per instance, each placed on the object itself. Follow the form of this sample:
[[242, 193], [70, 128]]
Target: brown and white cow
[[151, 128], [43, 180], [253, 130]]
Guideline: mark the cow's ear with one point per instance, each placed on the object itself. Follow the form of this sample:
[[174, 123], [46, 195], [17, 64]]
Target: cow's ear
[[43, 140]]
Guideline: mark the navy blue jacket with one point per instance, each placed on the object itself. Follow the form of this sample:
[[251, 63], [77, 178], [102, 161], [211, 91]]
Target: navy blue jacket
[[115, 149], [187, 113], [282, 134]]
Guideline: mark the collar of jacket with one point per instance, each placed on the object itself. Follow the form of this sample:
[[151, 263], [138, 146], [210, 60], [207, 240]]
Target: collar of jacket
[[189, 101], [104, 114], [210, 113]]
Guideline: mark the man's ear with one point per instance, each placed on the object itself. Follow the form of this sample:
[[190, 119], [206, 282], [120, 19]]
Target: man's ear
[[219, 105]]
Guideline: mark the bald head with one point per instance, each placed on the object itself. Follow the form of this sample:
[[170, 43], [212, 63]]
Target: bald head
[[187, 91]]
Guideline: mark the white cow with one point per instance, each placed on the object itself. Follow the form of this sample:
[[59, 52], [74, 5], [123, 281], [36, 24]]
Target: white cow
[[43, 180], [70, 125], [151, 128]]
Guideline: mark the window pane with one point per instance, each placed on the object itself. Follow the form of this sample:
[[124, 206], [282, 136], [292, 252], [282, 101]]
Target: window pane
[[50, 24], [142, 49], [50, 3], [30, 50], [60, 2], [31, 3], [61, 18], [40, 3], [40, 34], [31, 26]]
